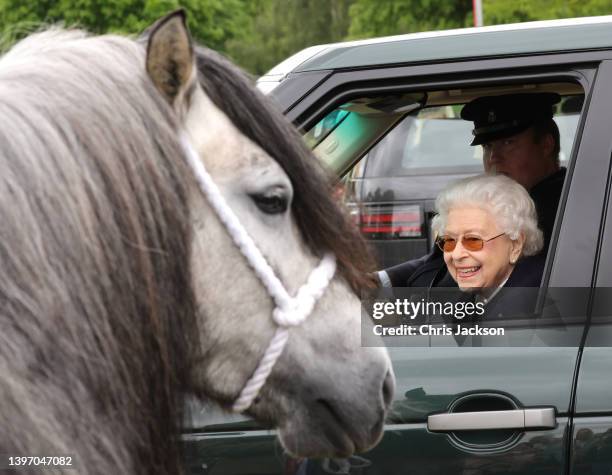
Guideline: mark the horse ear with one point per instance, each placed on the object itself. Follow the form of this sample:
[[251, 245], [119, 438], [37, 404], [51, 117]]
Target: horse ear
[[169, 60]]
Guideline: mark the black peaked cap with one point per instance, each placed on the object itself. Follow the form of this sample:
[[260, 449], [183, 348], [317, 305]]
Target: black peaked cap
[[497, 117]]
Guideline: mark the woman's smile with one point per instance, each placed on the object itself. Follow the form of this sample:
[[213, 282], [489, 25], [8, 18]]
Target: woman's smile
[[467, 272]]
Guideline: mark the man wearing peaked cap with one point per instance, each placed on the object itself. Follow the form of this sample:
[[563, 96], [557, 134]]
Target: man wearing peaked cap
[[498, 117], [521, 140]]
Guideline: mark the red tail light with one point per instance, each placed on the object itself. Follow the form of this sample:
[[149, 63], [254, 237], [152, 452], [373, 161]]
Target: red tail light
[[391, 222]]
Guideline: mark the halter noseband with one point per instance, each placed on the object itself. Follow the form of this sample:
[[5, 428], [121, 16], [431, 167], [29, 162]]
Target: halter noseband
[[289, 311]]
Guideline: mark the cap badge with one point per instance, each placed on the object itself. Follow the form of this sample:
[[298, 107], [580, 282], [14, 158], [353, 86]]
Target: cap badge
[[492, 117]]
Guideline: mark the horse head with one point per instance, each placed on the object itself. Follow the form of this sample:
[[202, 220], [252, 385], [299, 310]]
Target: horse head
[[124, 288], [326, 393]]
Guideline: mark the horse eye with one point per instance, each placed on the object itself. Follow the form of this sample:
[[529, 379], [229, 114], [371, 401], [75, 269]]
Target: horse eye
[[271, 203]]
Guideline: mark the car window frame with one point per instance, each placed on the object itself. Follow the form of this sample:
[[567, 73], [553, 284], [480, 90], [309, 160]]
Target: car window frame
[[341, 86]]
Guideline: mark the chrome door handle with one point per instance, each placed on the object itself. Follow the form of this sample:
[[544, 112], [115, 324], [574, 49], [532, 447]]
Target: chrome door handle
[[522, 419]]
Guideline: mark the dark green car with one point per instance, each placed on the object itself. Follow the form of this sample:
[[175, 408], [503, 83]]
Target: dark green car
[[540, 401]]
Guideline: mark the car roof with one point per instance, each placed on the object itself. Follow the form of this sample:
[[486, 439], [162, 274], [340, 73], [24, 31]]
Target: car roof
[[575, 34]]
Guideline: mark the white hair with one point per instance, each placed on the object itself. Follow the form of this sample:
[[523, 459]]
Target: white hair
[[506, 200]]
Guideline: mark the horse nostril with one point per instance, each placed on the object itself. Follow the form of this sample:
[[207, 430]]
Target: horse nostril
[[388, 388]]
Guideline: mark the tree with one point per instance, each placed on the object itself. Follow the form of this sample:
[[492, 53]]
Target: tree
[[279, 28], [502, 11], [212, 22], [369, 18]]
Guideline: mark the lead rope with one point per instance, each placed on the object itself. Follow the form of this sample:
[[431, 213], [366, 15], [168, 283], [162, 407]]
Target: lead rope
[[289, 311]]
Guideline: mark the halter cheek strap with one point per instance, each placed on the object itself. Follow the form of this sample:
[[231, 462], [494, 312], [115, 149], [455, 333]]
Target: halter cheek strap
[[289, 311]]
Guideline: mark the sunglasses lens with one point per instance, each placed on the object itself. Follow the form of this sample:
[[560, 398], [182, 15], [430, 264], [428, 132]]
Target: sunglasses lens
[[447, 244], [472, 243]]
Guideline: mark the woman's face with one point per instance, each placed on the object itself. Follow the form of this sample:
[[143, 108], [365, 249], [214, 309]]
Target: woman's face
[[488, 267]]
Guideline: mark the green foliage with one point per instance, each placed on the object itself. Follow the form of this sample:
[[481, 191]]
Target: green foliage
[[279, 28], [503, 11], [258, 34], [392, 17], [212, 22]]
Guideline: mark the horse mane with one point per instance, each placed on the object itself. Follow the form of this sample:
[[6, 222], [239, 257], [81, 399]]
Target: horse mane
[[323, 224], [96, 311], [97, 318]]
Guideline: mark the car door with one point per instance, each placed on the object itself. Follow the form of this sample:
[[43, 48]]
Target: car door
[[480, 385], [592, 425]]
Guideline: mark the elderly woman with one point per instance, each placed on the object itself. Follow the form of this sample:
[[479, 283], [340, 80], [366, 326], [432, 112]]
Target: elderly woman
[[485, 225]]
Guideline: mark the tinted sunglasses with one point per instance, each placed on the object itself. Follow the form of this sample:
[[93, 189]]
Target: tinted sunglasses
[[469, 243]]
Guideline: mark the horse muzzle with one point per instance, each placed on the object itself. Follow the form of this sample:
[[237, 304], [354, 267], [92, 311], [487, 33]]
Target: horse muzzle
[[339, 420]]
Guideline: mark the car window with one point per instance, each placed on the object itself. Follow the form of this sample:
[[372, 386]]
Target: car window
[[323, 128], [342, 135], [391, 189], [402, 159], [415, 145], [567, 123], [435, 140]]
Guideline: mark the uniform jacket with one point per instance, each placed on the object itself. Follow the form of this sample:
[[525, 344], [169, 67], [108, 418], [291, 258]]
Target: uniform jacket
[[546, 195]]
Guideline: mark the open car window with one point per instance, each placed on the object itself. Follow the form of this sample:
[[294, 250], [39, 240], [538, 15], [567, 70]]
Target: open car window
[[397, 161]]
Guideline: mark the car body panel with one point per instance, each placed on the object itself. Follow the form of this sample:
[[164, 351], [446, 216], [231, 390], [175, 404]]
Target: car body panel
[[287, 92], [574, 34], [429, 380], [591, 442], [587, 176], [406, 449], [591, 445], [595, 382]]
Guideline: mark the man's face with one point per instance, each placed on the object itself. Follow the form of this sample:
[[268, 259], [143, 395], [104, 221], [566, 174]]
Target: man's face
[[521, 158]]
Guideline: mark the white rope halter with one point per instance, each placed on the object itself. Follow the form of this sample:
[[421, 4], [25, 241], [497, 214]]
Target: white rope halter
[[289, 311]]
